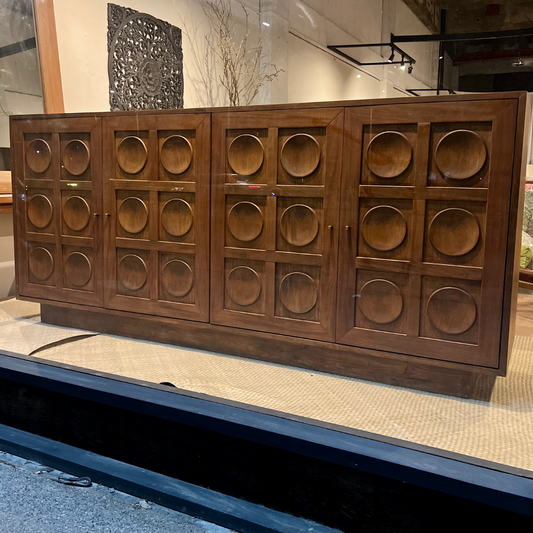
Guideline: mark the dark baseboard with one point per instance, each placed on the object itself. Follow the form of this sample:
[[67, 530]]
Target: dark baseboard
[[197, 501], [350, 481]]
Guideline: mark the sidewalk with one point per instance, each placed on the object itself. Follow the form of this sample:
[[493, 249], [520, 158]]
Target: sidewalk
[[32, 501]]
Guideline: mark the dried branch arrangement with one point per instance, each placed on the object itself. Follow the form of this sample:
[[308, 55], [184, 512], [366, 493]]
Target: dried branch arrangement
[[243, 69]]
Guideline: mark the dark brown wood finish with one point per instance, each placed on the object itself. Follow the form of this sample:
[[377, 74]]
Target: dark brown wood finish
[[57, 177], [422, 240], [422, 230], [156, 186], [364, 363], [276, 181]]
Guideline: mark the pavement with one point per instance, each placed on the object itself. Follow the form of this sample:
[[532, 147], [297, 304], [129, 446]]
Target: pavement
[[33, 501]]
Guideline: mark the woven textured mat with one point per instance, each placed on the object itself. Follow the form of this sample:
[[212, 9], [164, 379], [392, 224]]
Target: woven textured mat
[[498, 430]]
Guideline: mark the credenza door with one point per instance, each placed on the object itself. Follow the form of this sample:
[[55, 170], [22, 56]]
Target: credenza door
[[425, 204], [57, 166], [156, 221], [275, 198]]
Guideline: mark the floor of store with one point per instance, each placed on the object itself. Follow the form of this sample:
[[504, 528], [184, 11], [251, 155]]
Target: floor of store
[[499, 429]]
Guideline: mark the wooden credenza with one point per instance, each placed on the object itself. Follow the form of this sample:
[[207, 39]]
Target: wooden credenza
[[375, 239]]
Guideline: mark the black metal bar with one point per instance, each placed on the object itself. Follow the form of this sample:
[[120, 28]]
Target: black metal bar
[[17, 48], [397, 49], [414, 91], [462, 36]]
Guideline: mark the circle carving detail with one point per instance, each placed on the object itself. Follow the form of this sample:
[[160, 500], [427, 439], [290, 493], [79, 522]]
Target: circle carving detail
[[177, 278], [176, 154], [299, 225], [451, 310], [132, 272], [132, 155], [460, 154], [40, 211], [384, 227], [133, 215], [76, 157], [388, 154], [78, 269], [41, 263], [245, 221], [300, 155], [243, 285], [381, 301], [38, 156], [246, 154], [454, 231], [76, 213], [298, 292], [176, 217]]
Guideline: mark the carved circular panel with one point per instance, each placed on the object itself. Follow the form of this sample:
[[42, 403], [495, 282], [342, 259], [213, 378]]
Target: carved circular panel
[[299, 224], [41, 263], [451, 310], [454, 231], [40, 211], [300, 155], [460, 154], [131, 155], [76, 157], [245, 154], [381, 301], [38, 155], [245, 221], [132, 272], [388, 154], [76, 213], [177, 278], [243, 285], [298, 292], [133, 215], [176, 154], [384, 227], [176, 217], [78, 269]]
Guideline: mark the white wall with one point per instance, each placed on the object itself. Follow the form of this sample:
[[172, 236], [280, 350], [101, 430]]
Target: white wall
[[297, 43]]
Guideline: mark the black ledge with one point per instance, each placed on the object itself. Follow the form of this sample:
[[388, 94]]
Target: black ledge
[[451, 478]]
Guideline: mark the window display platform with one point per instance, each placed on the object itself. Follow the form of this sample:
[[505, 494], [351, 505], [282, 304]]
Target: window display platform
[[495, 425]]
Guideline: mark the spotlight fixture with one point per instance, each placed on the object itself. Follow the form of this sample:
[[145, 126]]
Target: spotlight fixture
[[391, 57], [410, 69], [518, 63], [402, 63]]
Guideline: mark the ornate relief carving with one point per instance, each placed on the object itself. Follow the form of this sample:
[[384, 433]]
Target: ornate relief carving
[[145, 61]]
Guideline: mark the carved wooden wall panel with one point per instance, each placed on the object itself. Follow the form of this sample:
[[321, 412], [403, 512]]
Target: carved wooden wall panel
[[424, 208], [156, 179], [58, 219], [276, 179]]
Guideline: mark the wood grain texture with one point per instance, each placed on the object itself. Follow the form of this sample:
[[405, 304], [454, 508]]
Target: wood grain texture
[[45, 32]]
